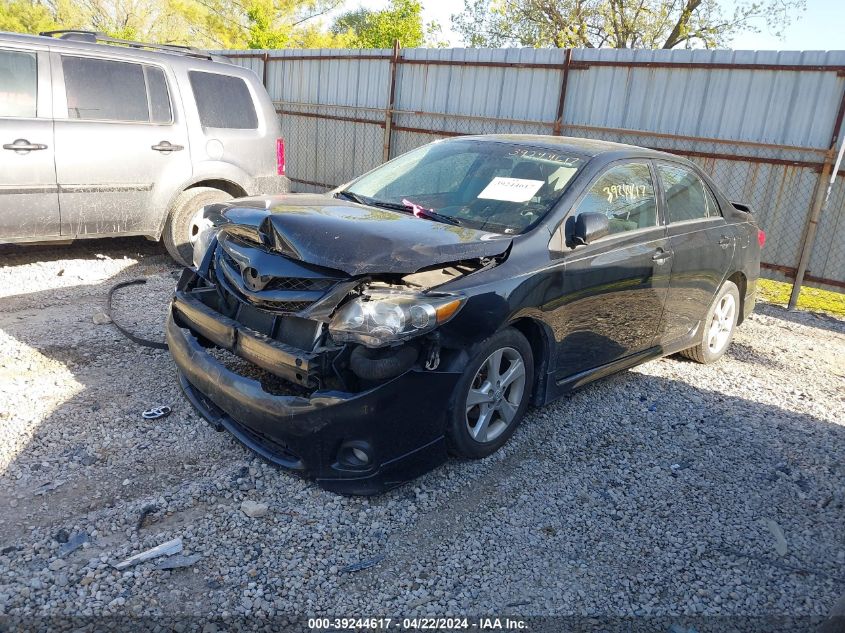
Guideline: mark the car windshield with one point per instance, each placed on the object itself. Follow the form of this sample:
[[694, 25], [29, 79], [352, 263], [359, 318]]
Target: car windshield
[[487, 185]]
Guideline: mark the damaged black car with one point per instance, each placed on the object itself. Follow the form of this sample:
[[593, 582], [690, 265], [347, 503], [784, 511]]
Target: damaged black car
[[360, 336]]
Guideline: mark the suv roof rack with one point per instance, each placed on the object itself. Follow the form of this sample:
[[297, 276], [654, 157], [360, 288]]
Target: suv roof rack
[[98, 37]]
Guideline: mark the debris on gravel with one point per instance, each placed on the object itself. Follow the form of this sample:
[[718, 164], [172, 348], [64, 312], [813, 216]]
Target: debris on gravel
[[780, 540], [646, 493], [253, 508], [165, 549], [101, 318]]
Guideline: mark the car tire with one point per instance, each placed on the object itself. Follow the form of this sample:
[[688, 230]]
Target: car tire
[[181, 227], [479, 400], [718, 326]]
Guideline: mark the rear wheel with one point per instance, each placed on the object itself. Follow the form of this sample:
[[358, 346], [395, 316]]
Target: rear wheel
[[185, 221], [719, 326], [492, 395]]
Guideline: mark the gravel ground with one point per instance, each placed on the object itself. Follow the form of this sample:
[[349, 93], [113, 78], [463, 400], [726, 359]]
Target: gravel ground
[[673, 488]]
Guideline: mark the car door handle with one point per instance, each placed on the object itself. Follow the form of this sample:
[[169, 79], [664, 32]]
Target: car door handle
[[660, 256], [166, 146], [22, 145]]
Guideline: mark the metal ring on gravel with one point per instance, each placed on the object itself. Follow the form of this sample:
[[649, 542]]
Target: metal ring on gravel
[[495, 394]]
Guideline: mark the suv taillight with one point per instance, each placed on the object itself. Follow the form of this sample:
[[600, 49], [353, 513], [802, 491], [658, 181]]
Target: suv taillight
[[280, 156], [761, 237]]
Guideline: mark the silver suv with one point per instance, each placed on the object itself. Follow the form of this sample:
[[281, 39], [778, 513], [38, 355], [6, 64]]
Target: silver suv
[[103, 137]]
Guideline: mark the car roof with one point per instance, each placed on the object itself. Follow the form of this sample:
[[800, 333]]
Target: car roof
[[141, 54], [584, 147]]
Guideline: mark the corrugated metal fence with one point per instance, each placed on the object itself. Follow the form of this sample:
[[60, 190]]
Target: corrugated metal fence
[[764, 125]]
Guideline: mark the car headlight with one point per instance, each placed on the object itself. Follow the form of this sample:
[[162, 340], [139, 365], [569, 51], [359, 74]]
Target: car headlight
[[380, 317], [204, 240]]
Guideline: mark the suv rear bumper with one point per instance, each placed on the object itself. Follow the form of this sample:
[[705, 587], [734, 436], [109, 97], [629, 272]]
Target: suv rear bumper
[[399, 424]]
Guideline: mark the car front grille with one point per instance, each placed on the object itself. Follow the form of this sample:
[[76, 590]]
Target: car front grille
[[292, 283], [267, 280]]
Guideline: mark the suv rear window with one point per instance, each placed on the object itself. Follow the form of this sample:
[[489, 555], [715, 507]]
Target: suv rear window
[[223, 101], [18, 84]]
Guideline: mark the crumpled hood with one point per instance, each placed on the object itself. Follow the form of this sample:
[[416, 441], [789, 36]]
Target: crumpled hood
[[358, 239]]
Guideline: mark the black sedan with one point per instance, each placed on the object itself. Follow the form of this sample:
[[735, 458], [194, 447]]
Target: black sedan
[[360, 336]]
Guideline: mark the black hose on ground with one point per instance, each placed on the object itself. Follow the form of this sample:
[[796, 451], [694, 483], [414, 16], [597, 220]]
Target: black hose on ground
[[132, 337], [382, 364]]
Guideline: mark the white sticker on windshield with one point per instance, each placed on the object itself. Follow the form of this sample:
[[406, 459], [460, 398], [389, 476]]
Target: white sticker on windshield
[[511, 189]]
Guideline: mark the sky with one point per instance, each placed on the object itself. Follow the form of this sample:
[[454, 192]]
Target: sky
[[820, 27]]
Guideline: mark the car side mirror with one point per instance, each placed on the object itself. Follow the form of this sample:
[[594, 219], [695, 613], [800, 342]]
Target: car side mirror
[[589, 227]]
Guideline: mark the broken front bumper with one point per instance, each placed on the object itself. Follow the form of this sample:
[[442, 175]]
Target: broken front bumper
[[399, 424]]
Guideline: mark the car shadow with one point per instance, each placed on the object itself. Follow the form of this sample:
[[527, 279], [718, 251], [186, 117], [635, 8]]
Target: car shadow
[[84, 460], [747, 354], [116, 247], [649, 487]]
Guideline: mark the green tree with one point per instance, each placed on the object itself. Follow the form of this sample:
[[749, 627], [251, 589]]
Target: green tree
[[619, 23], [255, 23], [35, 16], [25, 16], [202, 23], [402, 20]]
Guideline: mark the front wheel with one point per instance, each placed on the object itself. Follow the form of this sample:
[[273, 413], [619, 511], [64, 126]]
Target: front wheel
[[719, 326], [492, 395]]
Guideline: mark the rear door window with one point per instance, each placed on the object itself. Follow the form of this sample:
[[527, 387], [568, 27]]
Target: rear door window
[[686, 196], [159, 98], [103, 90], [18, 84], [223, 101]]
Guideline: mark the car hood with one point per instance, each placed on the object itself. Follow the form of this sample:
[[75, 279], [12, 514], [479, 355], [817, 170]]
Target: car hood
[[355, 238]]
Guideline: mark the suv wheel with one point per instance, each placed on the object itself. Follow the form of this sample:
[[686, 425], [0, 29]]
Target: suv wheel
[[184, 222], [492, 395]]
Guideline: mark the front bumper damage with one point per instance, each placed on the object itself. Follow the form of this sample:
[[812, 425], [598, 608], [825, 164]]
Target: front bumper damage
[[398, 424]]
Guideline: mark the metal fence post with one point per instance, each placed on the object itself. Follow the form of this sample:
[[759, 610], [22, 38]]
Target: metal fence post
[[820, 198], [564, 79], [266, 60], [388, 112]]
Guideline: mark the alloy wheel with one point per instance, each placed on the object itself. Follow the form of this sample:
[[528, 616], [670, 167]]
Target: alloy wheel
[[495, 394], [721, 324]]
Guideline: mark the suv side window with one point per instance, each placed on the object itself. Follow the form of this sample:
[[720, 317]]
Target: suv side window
[[18, 84], [160, 111], [103, 90], [687, 198], [625, 194], [223, 101]]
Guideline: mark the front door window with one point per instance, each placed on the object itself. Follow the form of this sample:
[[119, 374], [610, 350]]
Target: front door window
[[625, 194]]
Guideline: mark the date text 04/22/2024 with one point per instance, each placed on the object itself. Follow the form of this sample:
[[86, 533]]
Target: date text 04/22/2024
[[417, 624]]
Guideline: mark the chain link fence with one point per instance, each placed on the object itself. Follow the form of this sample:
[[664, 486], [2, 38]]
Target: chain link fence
[[330, 140], [328, 145]]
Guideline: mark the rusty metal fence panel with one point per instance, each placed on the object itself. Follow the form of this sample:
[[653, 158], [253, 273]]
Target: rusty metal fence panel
[[763, 124]]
